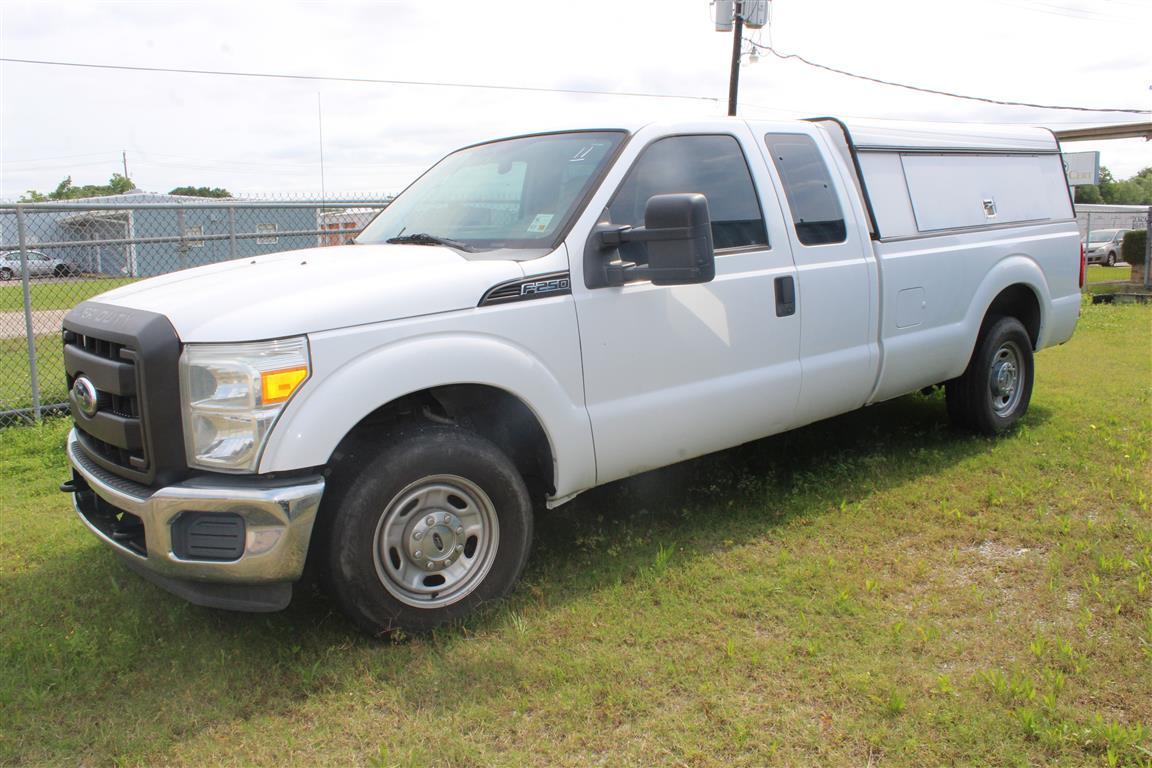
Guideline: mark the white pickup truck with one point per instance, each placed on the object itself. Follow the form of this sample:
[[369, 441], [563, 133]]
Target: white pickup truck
[[539, 315]]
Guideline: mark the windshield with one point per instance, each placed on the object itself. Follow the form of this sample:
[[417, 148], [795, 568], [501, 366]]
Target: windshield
[[516, 193], [1102, 235]]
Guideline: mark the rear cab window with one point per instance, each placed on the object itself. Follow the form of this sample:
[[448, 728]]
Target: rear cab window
[[812, 199]]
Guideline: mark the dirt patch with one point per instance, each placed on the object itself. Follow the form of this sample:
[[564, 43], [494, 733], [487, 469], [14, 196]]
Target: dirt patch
[[44, 321]]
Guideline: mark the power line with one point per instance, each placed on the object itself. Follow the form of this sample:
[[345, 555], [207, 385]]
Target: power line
[[1079, 14], [799, 58], [378, 81], [929, 119], [58, 157]]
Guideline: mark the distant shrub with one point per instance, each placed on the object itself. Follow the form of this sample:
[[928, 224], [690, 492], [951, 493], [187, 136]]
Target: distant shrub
[[1135, 246]]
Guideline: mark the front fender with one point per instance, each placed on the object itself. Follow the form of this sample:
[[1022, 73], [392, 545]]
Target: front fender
[[345, 387]]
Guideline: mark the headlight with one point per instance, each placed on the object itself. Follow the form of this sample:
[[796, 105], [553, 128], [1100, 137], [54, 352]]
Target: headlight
[[231, 395]]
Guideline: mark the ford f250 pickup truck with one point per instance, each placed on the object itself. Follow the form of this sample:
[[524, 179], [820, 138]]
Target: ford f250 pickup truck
[[542, 314]]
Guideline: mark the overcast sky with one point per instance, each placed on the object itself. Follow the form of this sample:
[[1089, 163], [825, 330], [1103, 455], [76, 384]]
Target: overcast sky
[[254, 135]]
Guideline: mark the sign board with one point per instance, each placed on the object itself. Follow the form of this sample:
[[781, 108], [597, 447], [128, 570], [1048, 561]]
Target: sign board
[[1082, 168]]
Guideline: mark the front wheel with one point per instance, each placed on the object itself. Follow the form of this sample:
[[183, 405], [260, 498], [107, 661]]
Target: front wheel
[[437, 522], [994, 391], [6, 274], [1111, 258]]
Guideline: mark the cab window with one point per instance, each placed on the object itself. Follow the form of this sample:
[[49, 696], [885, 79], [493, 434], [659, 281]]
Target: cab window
[[816, 213], [713, 166]]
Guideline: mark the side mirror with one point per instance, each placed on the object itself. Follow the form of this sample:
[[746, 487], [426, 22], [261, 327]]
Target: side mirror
[[678, 233]]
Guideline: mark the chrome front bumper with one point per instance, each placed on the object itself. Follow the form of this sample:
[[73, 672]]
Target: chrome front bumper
[[278, 518]]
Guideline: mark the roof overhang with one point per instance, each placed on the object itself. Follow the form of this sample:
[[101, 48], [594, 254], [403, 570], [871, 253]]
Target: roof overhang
[[1118, 131], [95, 217]]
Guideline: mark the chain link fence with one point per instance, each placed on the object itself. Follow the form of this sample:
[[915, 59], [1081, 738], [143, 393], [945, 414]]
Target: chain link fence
[[55, 255]]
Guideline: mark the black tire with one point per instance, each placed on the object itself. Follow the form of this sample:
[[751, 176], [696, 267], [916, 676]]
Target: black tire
[[1112, 258], [6, 274], [376, 514], [994, 391], [60, 271]]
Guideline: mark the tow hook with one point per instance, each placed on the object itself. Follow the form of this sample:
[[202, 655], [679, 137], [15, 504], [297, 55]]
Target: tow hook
[[75, 485]]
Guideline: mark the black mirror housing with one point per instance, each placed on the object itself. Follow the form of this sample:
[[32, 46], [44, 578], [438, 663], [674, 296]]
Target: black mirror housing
[[687, 256], [678, 232]]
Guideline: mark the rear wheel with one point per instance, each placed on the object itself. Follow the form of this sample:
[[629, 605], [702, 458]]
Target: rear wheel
[[1111, 258], [6, 274], [994, 391], [437, 522]]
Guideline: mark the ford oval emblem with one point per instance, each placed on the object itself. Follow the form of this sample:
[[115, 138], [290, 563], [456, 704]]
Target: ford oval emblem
[[85, 396]]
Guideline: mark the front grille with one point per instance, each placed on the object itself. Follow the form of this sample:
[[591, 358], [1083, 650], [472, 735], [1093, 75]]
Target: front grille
[[130, 358], [115, 432], [127, 487], [119, 456], [109, 350]]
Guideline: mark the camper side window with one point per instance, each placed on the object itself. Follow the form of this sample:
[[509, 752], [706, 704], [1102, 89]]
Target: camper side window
[[816, 212]]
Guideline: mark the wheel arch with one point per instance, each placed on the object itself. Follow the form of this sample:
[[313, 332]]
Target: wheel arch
[[491, 412], [1015, 287], [1021, 302], [509, 397]]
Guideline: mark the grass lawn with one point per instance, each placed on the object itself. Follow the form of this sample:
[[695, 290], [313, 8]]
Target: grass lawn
[[1099, 273], [56, 294], [871, 590], [15, 385]]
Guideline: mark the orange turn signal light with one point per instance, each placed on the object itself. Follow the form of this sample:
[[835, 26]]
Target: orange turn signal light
[[278, 386]]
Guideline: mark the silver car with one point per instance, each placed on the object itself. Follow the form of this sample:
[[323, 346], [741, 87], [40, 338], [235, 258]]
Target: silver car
[[39, 265], [1103, 246]]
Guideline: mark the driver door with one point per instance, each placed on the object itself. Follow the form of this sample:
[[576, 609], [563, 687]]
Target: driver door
[[673, 372]]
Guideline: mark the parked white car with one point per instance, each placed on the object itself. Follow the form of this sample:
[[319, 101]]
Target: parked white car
[[1104, 246], [39, 265], [539, 315]]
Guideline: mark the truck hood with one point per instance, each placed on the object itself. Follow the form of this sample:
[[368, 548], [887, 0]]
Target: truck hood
[[316, 289]]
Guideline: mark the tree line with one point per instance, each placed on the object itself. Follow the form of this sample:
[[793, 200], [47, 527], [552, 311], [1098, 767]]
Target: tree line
[[117, 185], [1134, 191]]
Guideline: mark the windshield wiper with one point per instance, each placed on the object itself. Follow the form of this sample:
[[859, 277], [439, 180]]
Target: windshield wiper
[[423, 238]]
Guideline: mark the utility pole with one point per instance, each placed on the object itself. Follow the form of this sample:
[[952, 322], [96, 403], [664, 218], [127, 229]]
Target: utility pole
[[738, 15], [737, 43], [124, 157]]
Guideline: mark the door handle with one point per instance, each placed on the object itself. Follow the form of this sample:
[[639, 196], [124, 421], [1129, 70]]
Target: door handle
[[785, 296]]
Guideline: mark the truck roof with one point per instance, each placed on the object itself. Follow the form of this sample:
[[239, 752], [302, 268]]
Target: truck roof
[[922, 136], [888, 135]]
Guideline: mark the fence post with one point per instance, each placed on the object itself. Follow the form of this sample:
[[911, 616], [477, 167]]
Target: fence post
[[34, 378], [231, 232], [1147, 246], [183, 247]]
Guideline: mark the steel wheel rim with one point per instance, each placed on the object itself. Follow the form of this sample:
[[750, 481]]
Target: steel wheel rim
[[436, 541], [1004, 374]]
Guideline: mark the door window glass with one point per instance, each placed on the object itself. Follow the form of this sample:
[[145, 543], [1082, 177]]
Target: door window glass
[[816, 212], [713, 166]]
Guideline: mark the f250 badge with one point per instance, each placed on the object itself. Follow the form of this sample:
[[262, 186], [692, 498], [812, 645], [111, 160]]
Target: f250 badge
[[535, 287], [545, 286]]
